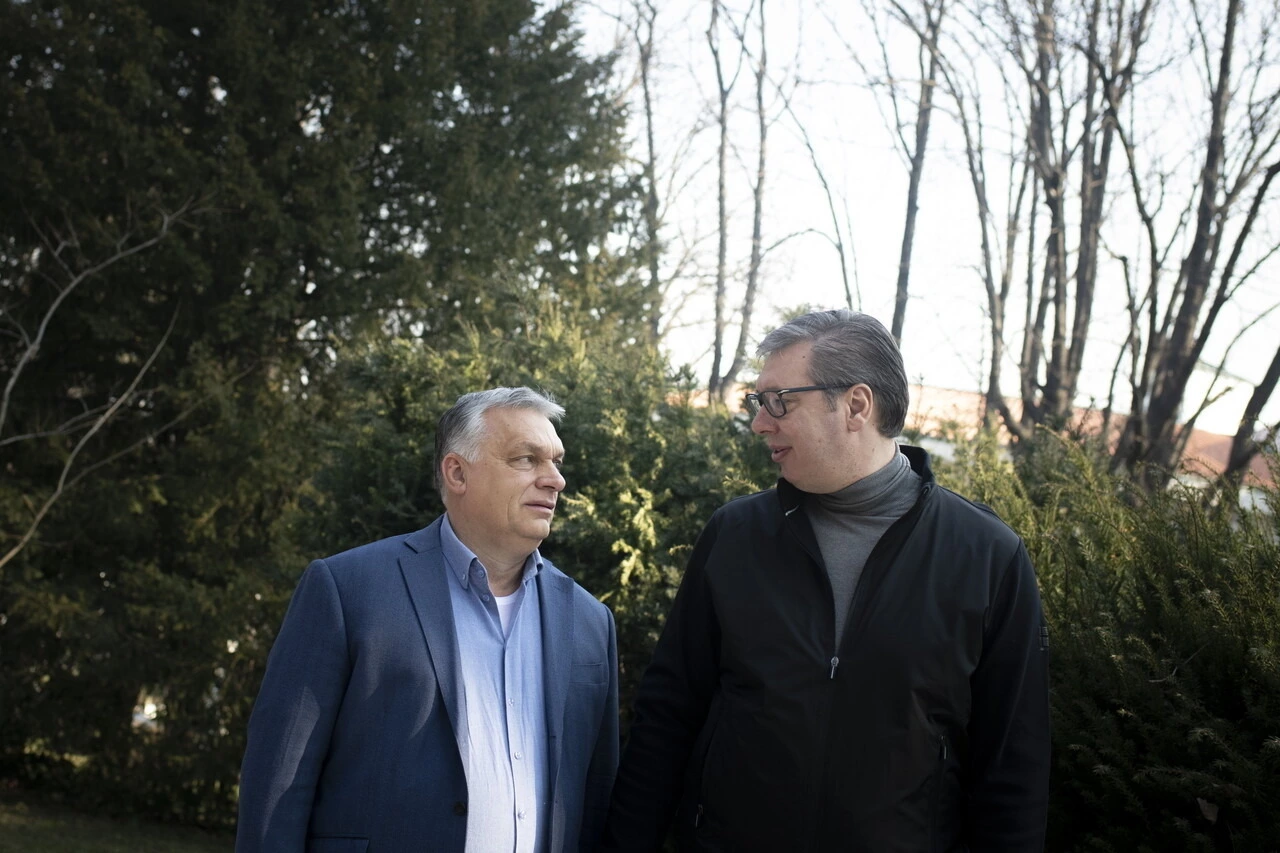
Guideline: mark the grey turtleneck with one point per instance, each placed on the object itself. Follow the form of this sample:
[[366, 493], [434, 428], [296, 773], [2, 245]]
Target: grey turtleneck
[[850, 522]]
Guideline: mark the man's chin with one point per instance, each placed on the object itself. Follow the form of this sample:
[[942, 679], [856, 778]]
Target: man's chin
[[800, 481], [537, 531]]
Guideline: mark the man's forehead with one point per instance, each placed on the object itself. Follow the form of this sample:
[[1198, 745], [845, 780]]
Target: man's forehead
[[524, 429], [543, 448], [785, 368]]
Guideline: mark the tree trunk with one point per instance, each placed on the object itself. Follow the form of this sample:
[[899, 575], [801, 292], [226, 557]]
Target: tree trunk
[[653, 248], [924, 113], [714, 389], [1244, 445], [1181, 352], [757, 216]]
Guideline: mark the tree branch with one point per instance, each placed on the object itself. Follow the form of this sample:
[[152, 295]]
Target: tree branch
[[123, 251], [63, 482]]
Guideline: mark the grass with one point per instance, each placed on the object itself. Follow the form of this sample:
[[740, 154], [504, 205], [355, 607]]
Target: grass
[[27, 827]]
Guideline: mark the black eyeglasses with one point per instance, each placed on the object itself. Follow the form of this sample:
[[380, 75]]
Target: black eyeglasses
[[773, 402]]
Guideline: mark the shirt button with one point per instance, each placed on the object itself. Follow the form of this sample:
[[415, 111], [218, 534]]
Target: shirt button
[[520, 814], [484, 597], [518, 756]]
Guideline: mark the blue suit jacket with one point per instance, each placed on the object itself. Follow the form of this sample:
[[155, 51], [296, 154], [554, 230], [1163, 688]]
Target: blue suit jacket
[[352, 742]]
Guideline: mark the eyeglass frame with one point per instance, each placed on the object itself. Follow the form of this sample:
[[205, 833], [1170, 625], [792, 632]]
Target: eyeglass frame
[[757, 400]]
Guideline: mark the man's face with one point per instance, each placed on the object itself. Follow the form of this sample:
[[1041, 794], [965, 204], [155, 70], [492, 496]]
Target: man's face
[[811, 443], [512, 487]]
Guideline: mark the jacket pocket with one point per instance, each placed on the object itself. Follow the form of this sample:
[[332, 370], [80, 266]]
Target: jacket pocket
[[715, 719], [938, 832], [587, 673], [337, 845]]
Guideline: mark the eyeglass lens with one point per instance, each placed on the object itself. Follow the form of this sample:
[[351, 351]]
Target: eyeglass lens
[[770, 401]]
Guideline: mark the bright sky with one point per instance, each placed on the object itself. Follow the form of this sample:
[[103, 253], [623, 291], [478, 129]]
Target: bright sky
[[945, 335]]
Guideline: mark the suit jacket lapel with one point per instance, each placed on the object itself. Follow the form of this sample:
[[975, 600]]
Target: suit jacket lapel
[[427, 578], [555, 597]]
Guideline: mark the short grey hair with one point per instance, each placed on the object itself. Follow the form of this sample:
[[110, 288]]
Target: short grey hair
[[461, 429], [850, 348]]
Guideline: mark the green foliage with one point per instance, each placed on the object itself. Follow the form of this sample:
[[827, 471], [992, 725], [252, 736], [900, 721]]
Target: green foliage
[[155, 594], [1165, 616], [243, 190]]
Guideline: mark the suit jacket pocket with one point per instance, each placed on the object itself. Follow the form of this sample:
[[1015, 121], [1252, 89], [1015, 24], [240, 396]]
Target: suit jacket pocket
[[587, 673], [337, 845]]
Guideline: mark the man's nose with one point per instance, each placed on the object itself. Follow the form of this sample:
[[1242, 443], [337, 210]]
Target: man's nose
[[552, 479], [763, 422]]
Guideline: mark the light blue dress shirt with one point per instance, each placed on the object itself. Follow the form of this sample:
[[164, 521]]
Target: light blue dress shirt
[[505, 748]]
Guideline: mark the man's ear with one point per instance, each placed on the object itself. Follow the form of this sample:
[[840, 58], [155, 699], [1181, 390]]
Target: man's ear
[[453, 471], [860, 403]]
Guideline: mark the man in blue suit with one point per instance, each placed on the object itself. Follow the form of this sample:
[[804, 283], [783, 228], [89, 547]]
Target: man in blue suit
[[446, 690]]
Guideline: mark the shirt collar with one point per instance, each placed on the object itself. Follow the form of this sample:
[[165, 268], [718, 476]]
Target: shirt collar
[[459, 557]]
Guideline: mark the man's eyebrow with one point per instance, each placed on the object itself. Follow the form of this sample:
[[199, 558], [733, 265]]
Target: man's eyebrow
[[538, 449]]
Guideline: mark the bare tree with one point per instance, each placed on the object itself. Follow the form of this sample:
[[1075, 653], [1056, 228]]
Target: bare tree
[[839, 226], [1082, 64], [724, 88], [928, 58], [1107, 40], [59, 263], [998, 241], [642, 30], [1239, 161], [1249, 438], [926, 26], [720, 384], [670, 246]]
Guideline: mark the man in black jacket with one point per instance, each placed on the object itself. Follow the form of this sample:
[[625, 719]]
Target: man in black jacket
[[856, 659]]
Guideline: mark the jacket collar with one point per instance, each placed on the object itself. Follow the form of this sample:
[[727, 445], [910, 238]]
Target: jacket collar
[[427, 580]]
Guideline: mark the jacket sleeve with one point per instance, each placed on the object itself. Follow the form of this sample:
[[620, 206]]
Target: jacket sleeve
[[670, 709], [604, 758], [292, 719], [1007, 790]]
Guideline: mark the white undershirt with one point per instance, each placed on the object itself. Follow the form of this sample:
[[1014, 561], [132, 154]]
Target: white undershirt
[[506, 609]]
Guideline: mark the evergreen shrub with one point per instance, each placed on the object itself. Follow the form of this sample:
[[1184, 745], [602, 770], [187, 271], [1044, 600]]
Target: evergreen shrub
[[1164, 613]]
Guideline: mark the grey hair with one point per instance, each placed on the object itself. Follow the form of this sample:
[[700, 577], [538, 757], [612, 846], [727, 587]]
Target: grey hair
[[850, 348], [461, 429]]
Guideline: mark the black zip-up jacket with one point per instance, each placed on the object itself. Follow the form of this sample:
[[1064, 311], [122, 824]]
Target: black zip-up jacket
[[926, 730]]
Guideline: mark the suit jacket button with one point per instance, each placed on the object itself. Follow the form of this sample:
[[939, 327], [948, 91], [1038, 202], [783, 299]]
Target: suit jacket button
[[460, 808]]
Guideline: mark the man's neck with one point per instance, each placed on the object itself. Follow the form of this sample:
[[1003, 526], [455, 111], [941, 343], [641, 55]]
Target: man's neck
[[505, 567], [879, 454], [504, 581]]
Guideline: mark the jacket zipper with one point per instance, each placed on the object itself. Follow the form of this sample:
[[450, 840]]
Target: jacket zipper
[[850, 627], [832, 663], [820, 810]]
